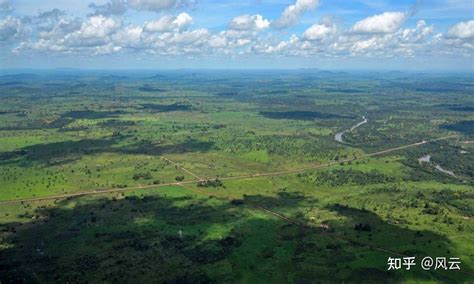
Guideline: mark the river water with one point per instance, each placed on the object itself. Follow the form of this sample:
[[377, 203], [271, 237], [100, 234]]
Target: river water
[[338, 136], [427, 159]]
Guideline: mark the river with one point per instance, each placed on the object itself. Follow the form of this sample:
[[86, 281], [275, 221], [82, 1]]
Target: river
[[427, 159], [338, 136]]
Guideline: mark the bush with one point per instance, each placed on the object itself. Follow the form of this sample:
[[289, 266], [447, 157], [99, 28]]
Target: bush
[[139, 176], [237, 201], [363, 227], [210, 182]]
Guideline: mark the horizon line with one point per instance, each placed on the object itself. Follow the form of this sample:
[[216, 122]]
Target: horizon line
[[243, 69]]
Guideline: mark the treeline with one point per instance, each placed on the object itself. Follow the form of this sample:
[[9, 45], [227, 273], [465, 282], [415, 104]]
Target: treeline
[[341, 177], [303, 145]]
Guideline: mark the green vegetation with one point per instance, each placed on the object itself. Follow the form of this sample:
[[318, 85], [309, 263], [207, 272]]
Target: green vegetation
[[182, 159]]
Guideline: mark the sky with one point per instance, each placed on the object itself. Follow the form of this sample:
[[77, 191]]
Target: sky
[[242, 34]]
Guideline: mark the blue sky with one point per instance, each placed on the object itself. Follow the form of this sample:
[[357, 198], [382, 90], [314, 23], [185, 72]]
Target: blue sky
[[168, 34]]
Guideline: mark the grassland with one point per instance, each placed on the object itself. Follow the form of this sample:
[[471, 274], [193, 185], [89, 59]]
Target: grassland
[[62, 134]]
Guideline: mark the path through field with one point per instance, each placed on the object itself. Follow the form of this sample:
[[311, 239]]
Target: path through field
[[247, 176]]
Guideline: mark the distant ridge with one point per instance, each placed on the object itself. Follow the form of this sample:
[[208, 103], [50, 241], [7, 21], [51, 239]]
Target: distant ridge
[[20, 76], [115, 77], [157, 76]]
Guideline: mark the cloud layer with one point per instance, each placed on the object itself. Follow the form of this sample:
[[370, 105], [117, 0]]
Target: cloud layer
[[387, 22], [172, 32], [292, 13], [462, 30]]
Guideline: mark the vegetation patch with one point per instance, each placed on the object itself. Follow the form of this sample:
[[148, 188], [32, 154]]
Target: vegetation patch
[[168, 108], [90, 114], [300, 115], [151, 88], [465, 126]]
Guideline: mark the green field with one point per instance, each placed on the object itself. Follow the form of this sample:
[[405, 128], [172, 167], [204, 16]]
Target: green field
[[182, 157]]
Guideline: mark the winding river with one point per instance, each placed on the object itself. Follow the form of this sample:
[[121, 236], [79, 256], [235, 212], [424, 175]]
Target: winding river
[[427, 159], [338, 136]]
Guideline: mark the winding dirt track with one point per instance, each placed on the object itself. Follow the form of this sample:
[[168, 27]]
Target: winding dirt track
[[253, 205], [247, 176]]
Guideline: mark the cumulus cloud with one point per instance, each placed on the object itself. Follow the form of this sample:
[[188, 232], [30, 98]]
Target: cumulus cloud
[[183, 20], [130, 37], [387, 22], [242, 31], [368, 44], [218, 41], [93, 36], [406, 42], [98, 26], [319, 32], [419, 33], [247, 22], [172, 34], [94, 32], [168, 23], [291, 46], [195, 37], [11, 28], [51, 24], [462, 30], [292, 13], [59, 28], [325, 40], [101, 35]]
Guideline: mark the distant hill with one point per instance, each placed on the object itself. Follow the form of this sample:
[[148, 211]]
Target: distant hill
[[115, 77], [22, 76], [157, 76]]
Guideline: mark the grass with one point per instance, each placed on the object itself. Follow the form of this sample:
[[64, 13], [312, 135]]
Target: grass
[[184, 234]]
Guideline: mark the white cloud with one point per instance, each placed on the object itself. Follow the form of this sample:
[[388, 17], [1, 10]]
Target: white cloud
[[11, 28], [109, 48], [95, 31], [248, 22], [102, 35], [196, 37], [163, 24], [292, 46], [168, 23], [183, 20], [292, 13], [319, 32], [218, 41], [242, 31], [387, 22], [417, 34], [378, 36], [53, 23], [371, 43], [130, 36], [98, 26], [462, 30], [405, 42], [60, 27]]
